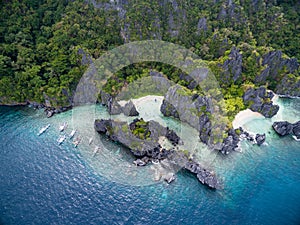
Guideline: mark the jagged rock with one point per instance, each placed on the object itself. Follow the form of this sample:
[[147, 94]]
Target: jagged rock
[[259, 100], [233, 66], [296, 129], [105, 98], [169, 177], [283, 128], [260, 139], [129, 109], [230, 143], [113, 106], [202, 24], [183, 106], [150, 150], [139, 162], [50, 113], [274, 63], [289, 86], [168, 109], [203, 175], [172, 137], [102, 125]]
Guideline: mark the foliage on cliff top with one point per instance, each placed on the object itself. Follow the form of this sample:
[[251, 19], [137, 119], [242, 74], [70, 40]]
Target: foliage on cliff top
[[40, 40]]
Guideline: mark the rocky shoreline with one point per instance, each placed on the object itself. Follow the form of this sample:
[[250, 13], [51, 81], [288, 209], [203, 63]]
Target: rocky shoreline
[[284, 128], [142, 139]]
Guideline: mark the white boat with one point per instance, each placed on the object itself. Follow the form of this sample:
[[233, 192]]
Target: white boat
[[90, 141], [63, 126], [43, 129], [97, 148], [76, 142], [72, 133], [61, 139]]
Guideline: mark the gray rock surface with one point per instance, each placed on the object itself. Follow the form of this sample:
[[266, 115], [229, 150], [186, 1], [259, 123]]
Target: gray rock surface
[[284, 128], [289, 87], [259, 100], [149, 150], [260, 139], [232, 67], [274, 63], [129, 109]]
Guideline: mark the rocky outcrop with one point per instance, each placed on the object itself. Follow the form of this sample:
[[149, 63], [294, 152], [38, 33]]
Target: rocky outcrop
[[147, 149], [140, 137], [232, 66], [204, 176], [202, 25], [275, 63], [129, 109], [284, 128], [230, 143], [178, 103], [260, 100], [289, 86], [114, 108], [260, 139], [195, 110]]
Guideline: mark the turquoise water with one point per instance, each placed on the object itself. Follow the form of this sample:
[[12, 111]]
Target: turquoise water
[[43, 183]]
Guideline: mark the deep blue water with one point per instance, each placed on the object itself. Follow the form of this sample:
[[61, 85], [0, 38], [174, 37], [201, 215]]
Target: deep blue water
[[43, 183]]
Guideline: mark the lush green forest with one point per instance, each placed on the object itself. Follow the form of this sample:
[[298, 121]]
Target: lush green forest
[[40, 42]]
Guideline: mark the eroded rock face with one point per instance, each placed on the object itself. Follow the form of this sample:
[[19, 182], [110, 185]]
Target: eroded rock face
[[289, 86], [274, 63], [204, 176], [284, 128], [114, 108], [195, 110], [260, 139], [148, 150], [129, 109], [260, 101], [232, 67], [230, 143], [178, 104]]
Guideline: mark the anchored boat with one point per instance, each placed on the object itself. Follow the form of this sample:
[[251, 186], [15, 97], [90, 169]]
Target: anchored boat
[[43, 129]]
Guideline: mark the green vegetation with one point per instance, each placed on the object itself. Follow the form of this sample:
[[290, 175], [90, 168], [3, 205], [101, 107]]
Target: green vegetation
[[40, 43], [141, 130]]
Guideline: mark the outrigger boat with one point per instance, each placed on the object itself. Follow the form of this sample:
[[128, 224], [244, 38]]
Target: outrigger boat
[[97, 148], [43, 129], [72, 133], [76, 142], [61, 139], [63, 126]]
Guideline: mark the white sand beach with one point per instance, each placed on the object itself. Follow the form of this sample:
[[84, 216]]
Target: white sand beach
[[245, 116], [143, 100]]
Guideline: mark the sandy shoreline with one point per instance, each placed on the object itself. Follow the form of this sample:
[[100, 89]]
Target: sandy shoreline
[[143, 100], [245, 116]]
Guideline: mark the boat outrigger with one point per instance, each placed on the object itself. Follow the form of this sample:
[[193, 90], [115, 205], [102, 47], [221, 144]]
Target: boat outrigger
[[63, 126], [61, 139], [72, 133], [43, 129]]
